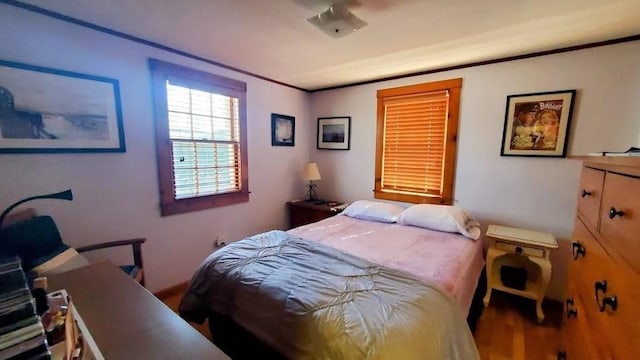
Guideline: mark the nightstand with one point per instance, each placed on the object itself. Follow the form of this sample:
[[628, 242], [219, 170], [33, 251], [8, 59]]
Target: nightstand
[[521, 249], [303, 212]]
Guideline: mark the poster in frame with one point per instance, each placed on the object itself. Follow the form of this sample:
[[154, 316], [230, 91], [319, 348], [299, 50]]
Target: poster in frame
[[45, 110], [537, 124], [283, 130], [334, 133]]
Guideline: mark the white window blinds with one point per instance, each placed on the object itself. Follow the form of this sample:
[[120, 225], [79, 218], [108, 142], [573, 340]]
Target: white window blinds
[[205, 137]]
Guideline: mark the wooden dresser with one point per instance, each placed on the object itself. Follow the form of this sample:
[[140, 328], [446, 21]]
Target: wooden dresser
[[602, 309]]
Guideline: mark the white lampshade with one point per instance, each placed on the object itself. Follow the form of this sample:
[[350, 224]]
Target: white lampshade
[[311, 172]]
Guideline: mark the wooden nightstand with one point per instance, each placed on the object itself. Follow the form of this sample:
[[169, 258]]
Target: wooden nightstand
[[523, 249], [305, 212]]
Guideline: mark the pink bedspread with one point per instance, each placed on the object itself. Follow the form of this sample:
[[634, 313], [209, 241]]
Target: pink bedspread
[[452, 261]]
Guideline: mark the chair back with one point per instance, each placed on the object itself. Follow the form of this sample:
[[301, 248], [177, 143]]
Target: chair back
[[19, 216], [35, 240]]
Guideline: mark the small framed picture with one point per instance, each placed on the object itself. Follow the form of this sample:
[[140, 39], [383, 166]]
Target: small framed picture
[[537, 124], [283, 130], [334, 133]]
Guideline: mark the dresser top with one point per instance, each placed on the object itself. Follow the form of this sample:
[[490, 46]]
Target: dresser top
[[522, 236], [629, 165]]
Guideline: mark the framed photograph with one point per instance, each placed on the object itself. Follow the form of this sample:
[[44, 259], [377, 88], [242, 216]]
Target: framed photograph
[[283, 130], [537, 124], [44, 110], [334, 133]]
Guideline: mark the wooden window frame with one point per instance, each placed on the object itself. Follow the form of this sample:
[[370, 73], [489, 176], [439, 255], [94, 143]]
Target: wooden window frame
[[453, 86], [161, 72]]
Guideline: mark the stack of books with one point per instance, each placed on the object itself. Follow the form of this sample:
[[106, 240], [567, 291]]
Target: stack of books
[[22, 334]]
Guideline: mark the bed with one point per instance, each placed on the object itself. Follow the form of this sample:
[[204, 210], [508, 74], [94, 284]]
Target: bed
[[342, 288]]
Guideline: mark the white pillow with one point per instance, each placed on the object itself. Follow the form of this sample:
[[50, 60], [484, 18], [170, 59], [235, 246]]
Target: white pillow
[[373, 211], [442, 218]]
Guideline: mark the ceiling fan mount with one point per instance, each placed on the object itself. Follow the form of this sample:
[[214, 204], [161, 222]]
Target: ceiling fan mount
[[338, 21]]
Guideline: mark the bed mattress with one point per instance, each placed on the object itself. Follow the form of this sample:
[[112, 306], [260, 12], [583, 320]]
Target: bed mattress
[[312, 301], [449, 260]]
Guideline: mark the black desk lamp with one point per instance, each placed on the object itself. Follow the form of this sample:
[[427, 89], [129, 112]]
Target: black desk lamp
[[63, 195]]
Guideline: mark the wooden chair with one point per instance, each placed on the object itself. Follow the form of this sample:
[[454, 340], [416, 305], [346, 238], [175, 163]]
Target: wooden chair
[[20, 222]]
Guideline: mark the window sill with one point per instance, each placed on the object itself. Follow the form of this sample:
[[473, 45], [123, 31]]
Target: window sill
[[202, 203], [415, 199]]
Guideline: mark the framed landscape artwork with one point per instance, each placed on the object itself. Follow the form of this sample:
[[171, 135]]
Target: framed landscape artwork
[[334, 133], [47, 110], [537, 124], [283, 130]]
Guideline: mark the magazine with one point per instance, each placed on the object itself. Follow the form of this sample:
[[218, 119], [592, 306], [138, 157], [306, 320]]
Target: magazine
[[632, 151]]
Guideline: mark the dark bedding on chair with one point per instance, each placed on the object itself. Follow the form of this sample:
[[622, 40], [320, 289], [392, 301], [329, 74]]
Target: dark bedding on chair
[[307, 300]]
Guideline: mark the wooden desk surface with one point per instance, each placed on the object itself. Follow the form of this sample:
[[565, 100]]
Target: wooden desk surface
[[127, 321]]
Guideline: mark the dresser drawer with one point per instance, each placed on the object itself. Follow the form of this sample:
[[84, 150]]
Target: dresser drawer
[[513, 248], [579, 338], [590, 194], [589, 265], [584, 328], [608, 326], [621, 233]]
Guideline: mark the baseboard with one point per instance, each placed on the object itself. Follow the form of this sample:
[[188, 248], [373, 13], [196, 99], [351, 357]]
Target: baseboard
[[171, 291]]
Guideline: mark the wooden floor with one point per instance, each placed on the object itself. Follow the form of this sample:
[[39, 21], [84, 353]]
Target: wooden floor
[[507, 329], [174, 301]]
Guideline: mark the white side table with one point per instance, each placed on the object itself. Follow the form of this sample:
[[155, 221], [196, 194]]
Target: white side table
[[517, 247]]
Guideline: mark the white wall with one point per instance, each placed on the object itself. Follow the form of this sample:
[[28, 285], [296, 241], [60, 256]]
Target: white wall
[[535, 193], [116, 195]]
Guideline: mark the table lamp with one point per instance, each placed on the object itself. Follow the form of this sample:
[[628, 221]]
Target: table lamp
[[311, 173]]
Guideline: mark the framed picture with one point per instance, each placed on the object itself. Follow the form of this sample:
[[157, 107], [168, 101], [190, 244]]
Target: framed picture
[[537, 124], [283, 130], [334, 133], [44, 110]]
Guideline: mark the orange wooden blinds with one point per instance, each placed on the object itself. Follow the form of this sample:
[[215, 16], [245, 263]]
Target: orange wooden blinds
[[414, 143]]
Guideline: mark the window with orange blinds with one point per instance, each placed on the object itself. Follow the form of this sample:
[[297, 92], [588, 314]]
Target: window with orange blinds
[[415, 152], [201, 138]]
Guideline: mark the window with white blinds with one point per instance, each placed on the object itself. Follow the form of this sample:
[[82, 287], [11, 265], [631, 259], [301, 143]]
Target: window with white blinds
[[204, 130], [416, 143], [201, 138]]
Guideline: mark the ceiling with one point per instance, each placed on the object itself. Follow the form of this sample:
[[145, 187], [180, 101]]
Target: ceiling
[[273, 39]]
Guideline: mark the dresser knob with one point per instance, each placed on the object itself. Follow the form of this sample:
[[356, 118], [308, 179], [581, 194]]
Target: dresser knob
[[612, 301], [578, 249], [562, 355], [571, 311], [600, 286], [613, 213], [569, 301], [518, 250], [585, 193]]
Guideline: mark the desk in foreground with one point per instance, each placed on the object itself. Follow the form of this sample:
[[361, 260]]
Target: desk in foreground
[[128, 322]]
